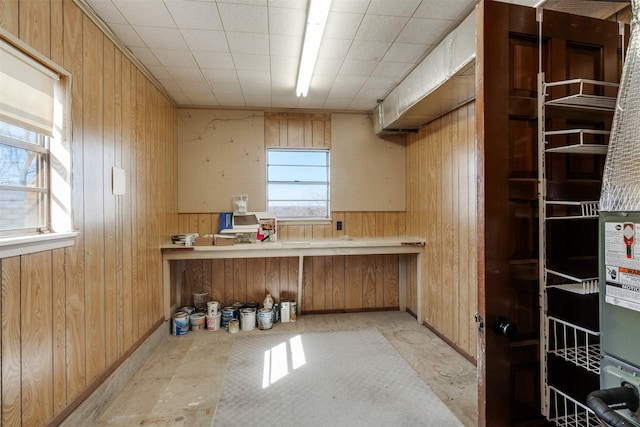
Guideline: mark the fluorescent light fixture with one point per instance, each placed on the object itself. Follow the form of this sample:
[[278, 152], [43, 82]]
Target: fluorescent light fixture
[[316, 20]]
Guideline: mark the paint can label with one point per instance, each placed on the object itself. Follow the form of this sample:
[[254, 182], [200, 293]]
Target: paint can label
[[180, 324], [247, 319]]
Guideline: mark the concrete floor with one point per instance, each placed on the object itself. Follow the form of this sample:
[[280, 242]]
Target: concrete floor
[[180, 384]]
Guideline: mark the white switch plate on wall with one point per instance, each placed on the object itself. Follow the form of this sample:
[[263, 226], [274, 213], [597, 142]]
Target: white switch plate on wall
[[118, 181]]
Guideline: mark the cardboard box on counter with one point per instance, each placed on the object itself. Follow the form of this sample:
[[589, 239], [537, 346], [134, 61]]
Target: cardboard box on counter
[[204, 241], [222, 240]]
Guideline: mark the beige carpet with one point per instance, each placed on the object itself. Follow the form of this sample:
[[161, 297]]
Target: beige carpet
[[333, 378]]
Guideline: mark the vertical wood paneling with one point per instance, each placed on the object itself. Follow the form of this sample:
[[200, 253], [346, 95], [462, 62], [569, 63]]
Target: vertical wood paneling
[[36, 339], [35, 25], [11, 351], [441, 188], [68, 314], [74, 255]]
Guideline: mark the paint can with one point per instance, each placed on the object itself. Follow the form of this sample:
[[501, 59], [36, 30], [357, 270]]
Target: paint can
[[234, 326], [197, 321], [228, 313], [294, 311], [248, 319], [180, 323], [237, 305], [213, 322], [212, 308], [188, 310], [252, 304], [265, 319]]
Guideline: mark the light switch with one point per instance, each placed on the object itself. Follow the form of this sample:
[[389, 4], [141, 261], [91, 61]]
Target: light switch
[[118, 181]]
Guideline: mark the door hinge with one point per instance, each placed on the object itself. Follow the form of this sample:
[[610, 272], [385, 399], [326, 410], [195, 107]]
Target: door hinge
[[480, 322]]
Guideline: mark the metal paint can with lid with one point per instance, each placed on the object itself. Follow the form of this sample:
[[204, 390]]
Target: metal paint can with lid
[[180, 323], [265, 319], [228, 313]]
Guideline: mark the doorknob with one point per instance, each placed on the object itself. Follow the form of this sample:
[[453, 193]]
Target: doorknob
[[504, 327]]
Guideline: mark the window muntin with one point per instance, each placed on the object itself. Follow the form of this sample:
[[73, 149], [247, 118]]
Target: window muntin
[[298, 183], [24, 181]]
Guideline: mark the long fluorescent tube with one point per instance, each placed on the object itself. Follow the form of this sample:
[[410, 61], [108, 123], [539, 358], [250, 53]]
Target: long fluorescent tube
[[316, 20]]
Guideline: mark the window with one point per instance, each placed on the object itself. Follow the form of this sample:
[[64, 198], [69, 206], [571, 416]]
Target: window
[[298, 183], [35, 154], [24, 181]]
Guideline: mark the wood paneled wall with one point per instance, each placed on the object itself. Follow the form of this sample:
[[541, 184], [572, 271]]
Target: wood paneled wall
[[330, 283], [441, 207], [69, 316]]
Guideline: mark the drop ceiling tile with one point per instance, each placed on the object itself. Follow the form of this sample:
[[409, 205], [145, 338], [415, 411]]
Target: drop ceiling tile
[[352, 6], [444, 9], [107, 11], [164, 38], [214, 60], [284, 101], [289, 22], [159, 72], [284, 71], [151, 13], [189, 88], [144, 55], [395, 8], [342, 25], [424, 31], [289, 46], [257, 101], [127, 35], [180, 74], [328, 67], [175, 58], [251, 62], [406, 52], [333, 49], [248, 43], [227, 89], [205, 40], [195, 14], [315, 103], [362, 104], [337, 103], [203, 99], [374, 83], [392, 69], [249, 2], [257, 80], [288, 4], [381, 28], [242, 17], [220, 77], [362, 50], [347, 86], [231, 100], [357, 68]]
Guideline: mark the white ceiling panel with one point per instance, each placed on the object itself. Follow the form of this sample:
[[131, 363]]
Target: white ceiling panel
[[246, 53]]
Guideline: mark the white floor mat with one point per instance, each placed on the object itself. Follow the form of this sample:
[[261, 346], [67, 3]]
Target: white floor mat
[[334, 378]]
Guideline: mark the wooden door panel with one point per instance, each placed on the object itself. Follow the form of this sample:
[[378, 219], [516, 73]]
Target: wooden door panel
[[573, 47]]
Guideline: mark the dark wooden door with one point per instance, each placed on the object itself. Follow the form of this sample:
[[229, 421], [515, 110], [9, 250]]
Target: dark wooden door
[[510, 381]]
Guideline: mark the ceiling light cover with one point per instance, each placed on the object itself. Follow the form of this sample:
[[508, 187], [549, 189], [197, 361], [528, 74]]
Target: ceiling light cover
[[316, 20]]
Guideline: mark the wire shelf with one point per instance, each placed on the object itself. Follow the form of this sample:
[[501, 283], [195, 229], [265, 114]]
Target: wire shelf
[[574, 344], [570, 210], [580, 99], [582, 146], [565, 411]]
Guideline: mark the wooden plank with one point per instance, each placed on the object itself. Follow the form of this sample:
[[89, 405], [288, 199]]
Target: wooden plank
[[59, 341], [36, 338], [353, 282], [75, 306], [462, 249], [318, 283], [317, 133], [141, 315], [369, 224], [271, 132], [284, 133], [119, 205], [369, 281], [109, 205], [308, 131], [128, 205], [391, 272], [352, 225], [449, 257], [10, 339], [295, 130], [93, 116], [35, 25], [338, 282], [57, 30], [272, 278], [328, 288], [10, 16], [256, 279]]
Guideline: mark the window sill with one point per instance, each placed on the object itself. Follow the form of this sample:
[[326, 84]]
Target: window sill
[[23, 245]]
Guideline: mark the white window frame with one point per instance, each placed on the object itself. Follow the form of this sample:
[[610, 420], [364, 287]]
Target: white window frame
[[298, 219], [58, 233]]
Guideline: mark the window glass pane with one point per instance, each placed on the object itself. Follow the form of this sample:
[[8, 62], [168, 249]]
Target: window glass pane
[[20, 167], [297, 192], [298, 183], [297, 173], [22, 210], [291, 209], [290, 157], [18, 133]]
